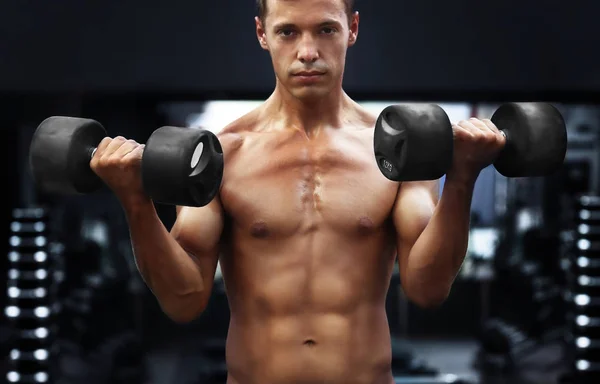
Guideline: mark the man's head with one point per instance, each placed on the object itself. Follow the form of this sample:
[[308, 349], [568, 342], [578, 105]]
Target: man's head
[[262, 6], [307, 37]]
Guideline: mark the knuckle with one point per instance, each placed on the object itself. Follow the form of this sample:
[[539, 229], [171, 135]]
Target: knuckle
[[491, 125], [477, 135], [478, 123], [104, 142], [111, 161], [488, 137], [125, 166]]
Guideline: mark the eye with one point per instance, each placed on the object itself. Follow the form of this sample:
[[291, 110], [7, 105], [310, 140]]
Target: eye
[[328, 30], [285, 32]]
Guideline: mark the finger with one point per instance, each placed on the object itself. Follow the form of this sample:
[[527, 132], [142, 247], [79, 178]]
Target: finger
[[125, 148], [136, 153], [488, 123], [459, 131], [500, 135], [104, 143], [495, 129], [480, 125], [113, 146], [468, 125]]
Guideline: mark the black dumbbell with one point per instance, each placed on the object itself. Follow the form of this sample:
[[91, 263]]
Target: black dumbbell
[[180, 166], [415, 142]]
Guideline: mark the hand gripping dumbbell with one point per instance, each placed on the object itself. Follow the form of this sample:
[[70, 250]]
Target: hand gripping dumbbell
[[180, 166], [415, 142]]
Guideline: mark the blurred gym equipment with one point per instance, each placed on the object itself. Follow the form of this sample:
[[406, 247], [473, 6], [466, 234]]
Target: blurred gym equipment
[[582, 335], [32, 307]]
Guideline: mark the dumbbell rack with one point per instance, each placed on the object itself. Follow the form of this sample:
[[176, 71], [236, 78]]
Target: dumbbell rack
[[582, 334], [31, 308]]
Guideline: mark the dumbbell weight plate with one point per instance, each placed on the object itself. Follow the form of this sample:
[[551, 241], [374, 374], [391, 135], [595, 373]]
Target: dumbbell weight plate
[[60, 153], [536, 139], [413, 142], [182, 166]]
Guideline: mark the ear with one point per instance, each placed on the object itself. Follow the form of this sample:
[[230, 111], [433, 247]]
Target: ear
[[261, 34], [354, 21]]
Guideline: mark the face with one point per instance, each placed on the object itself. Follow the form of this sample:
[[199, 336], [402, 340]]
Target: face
[[307, 41]]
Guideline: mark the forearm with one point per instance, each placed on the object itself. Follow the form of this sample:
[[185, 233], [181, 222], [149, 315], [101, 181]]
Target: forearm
[[168, 270], [438, 254]]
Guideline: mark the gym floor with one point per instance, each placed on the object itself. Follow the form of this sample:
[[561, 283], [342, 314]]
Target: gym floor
[[458, 357]]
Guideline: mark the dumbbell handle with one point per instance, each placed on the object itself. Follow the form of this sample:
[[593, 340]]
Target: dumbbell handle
[[196, 157], [93, 152]]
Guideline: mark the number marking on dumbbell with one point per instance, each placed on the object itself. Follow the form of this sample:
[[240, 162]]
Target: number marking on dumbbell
[[387, 165]]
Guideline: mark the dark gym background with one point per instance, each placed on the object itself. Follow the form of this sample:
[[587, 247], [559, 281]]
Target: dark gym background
[[138, 65]]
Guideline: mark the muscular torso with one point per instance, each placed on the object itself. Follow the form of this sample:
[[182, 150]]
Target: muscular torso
[[308, 257]]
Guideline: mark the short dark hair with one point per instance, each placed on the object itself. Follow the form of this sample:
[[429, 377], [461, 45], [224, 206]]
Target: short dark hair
[[262, 8]]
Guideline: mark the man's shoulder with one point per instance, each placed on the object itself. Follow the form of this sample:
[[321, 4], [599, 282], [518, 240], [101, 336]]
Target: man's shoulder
[[363, 124], [366, 118], [240, 125], [233, 134]]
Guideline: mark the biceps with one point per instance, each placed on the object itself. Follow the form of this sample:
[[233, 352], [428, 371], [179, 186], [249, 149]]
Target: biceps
[[199, 230], [414, 208]]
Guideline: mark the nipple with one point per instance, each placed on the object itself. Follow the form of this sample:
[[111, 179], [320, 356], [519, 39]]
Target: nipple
[[259, 230]]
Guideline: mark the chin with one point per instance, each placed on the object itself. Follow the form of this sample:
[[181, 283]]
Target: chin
[[311, 93]]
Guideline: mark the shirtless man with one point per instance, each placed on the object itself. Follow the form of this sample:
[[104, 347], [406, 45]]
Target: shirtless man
[[305, 226]]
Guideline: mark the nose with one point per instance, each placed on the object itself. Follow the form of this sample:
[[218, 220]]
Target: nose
[[308, 52]]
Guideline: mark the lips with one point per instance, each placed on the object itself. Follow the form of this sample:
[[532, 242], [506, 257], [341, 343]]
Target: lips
[[308, 74]]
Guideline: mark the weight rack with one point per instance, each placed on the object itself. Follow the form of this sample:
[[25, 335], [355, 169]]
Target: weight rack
[[32, 291], [582, 334]]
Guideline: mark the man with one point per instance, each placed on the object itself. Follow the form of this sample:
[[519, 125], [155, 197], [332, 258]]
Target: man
[[305, 226]]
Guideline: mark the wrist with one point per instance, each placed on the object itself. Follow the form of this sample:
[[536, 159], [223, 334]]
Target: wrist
[[135, 204], [463, 179], [463, 182]]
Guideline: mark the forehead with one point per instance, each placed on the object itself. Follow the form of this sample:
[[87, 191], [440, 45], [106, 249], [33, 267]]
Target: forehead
[[291, 10]]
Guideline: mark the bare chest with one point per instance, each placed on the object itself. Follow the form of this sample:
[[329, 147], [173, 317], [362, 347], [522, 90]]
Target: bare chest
[[284, 186]]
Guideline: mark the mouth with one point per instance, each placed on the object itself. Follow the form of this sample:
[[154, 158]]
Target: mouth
[[308, 74]]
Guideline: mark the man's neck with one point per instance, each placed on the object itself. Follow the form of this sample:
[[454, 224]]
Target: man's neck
[[309, 116]]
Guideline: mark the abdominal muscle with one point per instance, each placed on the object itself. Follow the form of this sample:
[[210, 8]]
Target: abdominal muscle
[[317, 348], [292, 322]]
